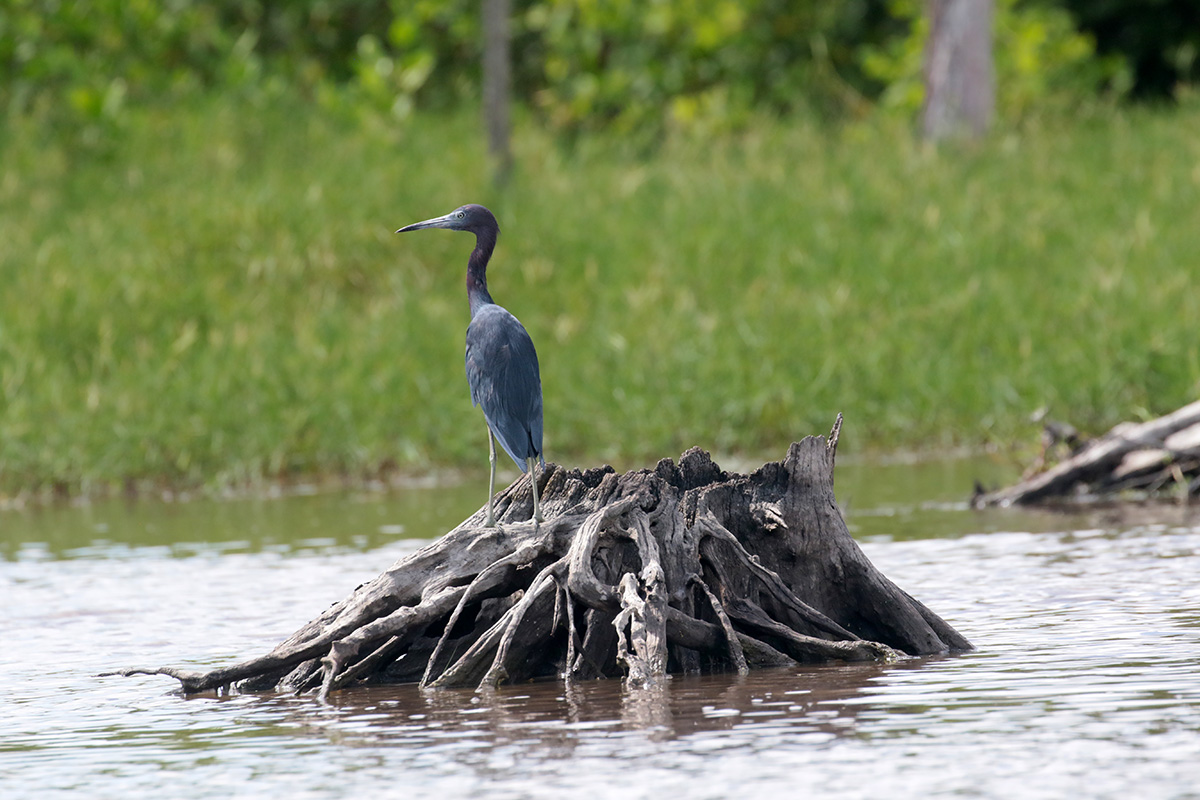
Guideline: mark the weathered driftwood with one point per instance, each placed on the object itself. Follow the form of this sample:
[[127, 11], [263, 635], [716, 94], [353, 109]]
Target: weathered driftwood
[[679, 568], [1159, 455]]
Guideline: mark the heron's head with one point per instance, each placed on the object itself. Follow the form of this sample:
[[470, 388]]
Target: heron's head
[[471, 217]]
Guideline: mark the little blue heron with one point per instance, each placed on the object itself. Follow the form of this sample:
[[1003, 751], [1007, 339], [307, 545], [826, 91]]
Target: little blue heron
[[502, 365]]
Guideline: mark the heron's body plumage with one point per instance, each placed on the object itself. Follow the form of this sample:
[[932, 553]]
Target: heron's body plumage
[[502, 364], [502, 371]]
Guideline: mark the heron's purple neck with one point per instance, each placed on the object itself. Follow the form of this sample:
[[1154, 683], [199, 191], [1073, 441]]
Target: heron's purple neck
[[477, 291]]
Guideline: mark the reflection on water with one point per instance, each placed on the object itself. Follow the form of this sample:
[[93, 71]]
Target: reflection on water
[[812, 700], [1086, 681], [323, 522], [893, 500]]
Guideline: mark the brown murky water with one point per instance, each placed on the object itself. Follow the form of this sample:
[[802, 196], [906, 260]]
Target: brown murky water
[[1086, 681]]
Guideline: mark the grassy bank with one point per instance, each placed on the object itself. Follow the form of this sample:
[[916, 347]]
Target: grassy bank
[[221, 298]]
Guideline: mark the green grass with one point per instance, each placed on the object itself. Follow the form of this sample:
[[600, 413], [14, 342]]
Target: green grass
[[220, 298]]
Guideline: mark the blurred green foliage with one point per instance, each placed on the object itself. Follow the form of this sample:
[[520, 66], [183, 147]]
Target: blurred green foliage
[[80, 62], [199, 318], [636, 66], [629, 66], [222, 299]]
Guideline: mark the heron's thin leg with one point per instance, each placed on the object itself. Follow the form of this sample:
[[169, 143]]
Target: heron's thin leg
[[491, 518], [537, 509]]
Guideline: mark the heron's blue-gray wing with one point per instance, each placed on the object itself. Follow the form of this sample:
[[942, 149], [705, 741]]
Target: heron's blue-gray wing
[[502, 370]]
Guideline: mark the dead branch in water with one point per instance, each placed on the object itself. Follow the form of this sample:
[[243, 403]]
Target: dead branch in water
[[1160, 455]]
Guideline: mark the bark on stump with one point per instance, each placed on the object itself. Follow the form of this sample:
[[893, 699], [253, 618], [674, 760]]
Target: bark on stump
[[680, 568]]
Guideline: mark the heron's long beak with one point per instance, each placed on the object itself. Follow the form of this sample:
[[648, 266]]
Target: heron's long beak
[[436, 222]]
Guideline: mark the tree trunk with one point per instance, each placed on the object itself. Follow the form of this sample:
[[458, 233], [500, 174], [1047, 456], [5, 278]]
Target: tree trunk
[[497, 85], [680, 568], [960, 92]]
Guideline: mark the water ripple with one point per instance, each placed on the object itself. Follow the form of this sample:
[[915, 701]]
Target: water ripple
[[1086, 682]]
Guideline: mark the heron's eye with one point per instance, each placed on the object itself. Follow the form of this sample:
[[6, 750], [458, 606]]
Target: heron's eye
[[461, 215]]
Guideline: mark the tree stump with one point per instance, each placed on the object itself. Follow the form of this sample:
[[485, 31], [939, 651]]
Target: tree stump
[[680, 568]]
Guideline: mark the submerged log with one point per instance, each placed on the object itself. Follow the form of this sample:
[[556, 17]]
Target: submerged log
[[1148, 457], [680, 568]]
